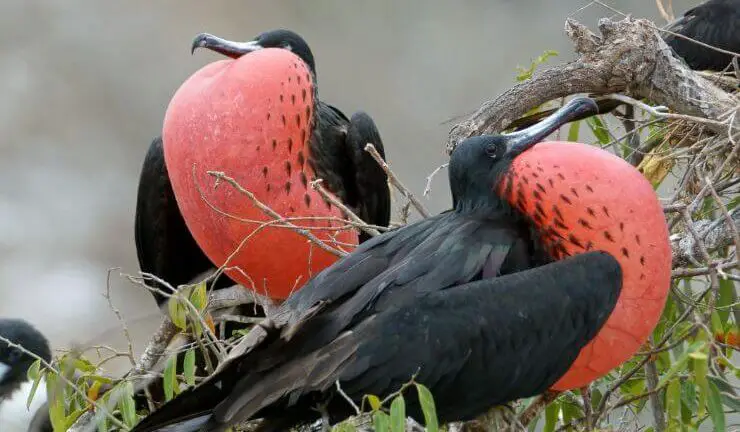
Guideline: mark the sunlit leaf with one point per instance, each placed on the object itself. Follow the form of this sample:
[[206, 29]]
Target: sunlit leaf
[[374, 402], [127, 406], [198, 296], [551, 416], [573, 131], [428, 408], [398, 414], [188, 367], [177, 312], [673, 401]]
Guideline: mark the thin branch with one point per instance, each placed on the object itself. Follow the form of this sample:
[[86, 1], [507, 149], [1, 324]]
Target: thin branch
[[396, 182]]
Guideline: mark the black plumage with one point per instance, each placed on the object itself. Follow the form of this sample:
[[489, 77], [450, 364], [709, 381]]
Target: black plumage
[[165, 246], [14, 363], [464, 300], [715, 23]]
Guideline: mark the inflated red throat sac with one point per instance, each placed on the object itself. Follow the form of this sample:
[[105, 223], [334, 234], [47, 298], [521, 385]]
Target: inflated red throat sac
[[582, 198], [252, 119]]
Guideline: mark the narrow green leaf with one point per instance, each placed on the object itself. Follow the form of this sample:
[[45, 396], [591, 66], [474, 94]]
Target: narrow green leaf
[[673, 401], [177, 312], [428, 408], [398, 414], [680, 364], [716, 412], [198, 296], [34, 375], [598, 129], [551, 416], [688, 401], [170, 380], [126, 404], [573, 131], [374, 402], [381, 421], [726, 288], [725, 390], [700, 369], [188, 367]]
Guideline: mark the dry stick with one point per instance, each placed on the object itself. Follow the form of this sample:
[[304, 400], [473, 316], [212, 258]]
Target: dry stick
[[397, 183], [318, 186], [428, 187], [119, 316], [534, 409], [660, 111], [219, 175], [656, 405], [728, 218]]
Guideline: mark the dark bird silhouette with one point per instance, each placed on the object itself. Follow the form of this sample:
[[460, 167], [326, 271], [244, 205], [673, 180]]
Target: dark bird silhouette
[[463, 300], [166, 247], [14, 383], [715, 23]]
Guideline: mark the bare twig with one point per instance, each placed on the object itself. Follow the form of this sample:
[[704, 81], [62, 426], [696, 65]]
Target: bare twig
[[318, 186], [396, 182]]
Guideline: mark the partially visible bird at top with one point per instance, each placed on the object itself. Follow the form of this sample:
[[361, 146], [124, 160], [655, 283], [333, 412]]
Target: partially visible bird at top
[[15, 386], [715, 23]]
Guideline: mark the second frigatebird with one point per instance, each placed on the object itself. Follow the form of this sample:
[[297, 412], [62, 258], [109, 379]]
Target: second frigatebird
[[715, 23], [165, 245], [492, 301]]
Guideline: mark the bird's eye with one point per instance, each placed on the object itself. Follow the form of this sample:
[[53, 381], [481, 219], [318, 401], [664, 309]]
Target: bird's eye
[[491, 151]]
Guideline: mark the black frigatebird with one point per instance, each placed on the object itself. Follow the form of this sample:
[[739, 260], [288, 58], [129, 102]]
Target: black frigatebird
[[14, 364], [484, 304], [715, 23], [166, 247]]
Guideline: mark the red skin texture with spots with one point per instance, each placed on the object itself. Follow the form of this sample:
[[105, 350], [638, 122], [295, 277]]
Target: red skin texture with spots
[[250, 118], [583, 198]]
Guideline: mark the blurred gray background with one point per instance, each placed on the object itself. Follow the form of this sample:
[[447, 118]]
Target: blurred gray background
[[84, 86]]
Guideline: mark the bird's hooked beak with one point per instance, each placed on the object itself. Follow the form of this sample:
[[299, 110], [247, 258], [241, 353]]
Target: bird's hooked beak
[[222, 46], [4, 369], [518, 142]]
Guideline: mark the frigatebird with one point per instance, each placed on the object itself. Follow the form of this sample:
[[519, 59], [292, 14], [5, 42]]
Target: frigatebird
[[335, 152], [14, 364], [491, 301], [715, 23]]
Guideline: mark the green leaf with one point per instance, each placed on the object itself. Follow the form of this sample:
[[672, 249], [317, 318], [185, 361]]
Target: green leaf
[[526, 73], [724, 300], [551, 416], [688, 401], [198, 296], [700, 369], [374, 402], [56, 402], [177, 312], [127, 406], [716, 412], [573, 131], [680, 364], [381, 421], [398, 414], [673, 401], [428, 408], [598, 129], [170, 380], [725, 390], [34, 375], [188, 367]]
